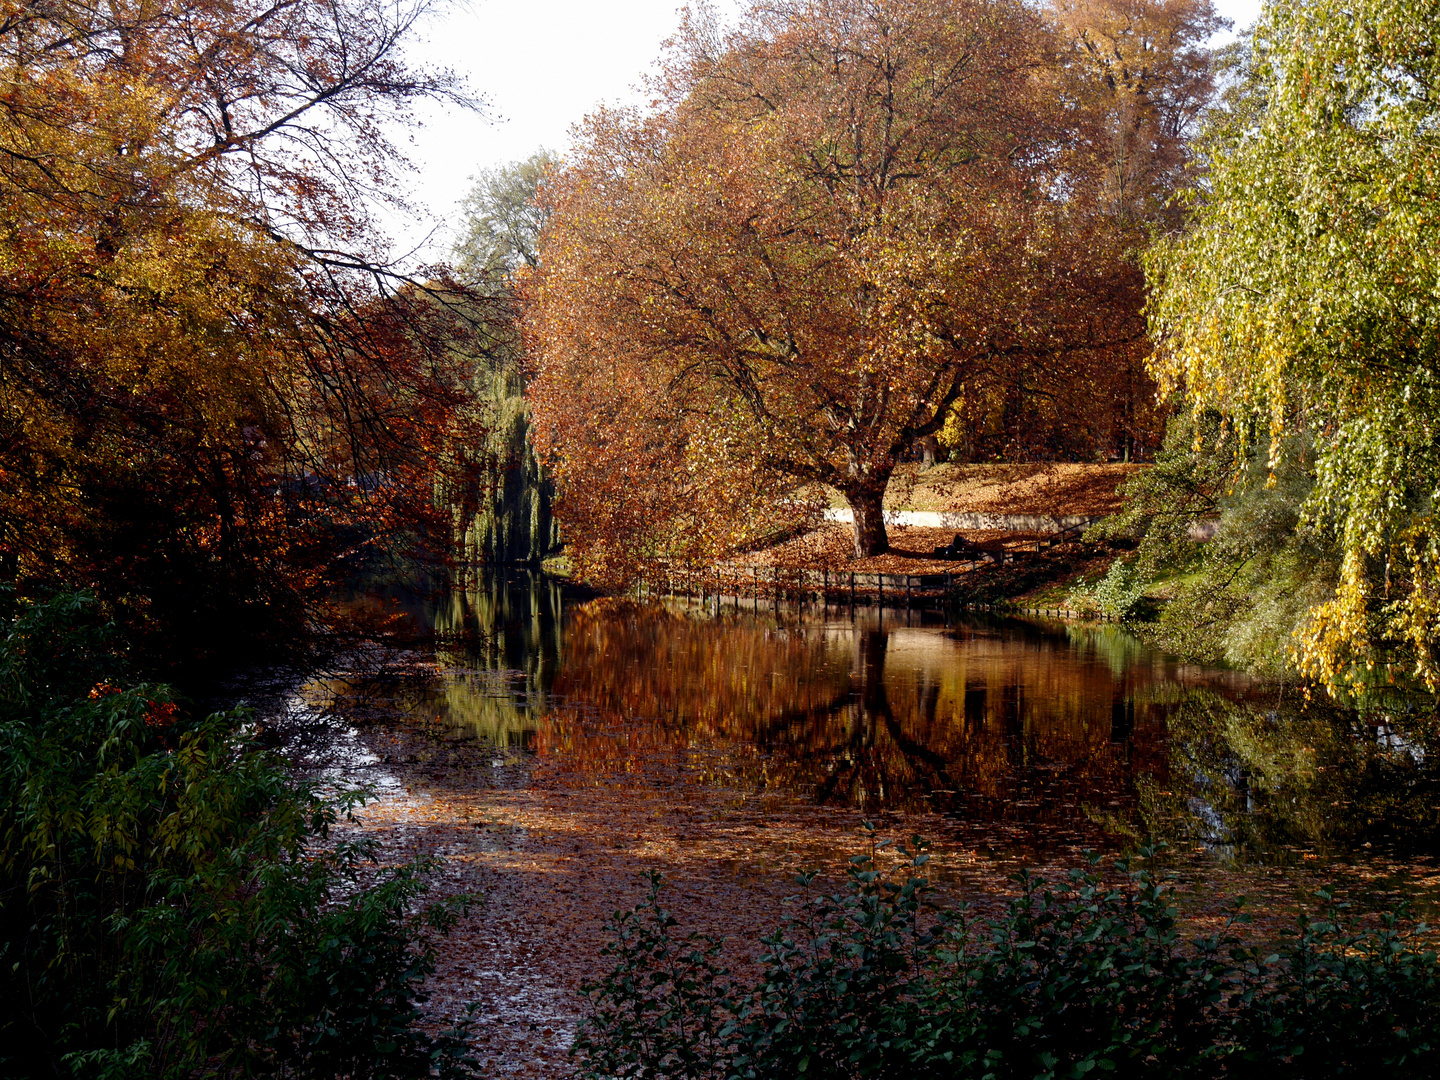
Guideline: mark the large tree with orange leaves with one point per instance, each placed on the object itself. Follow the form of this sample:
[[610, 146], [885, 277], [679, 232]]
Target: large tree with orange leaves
[[210, 385], [837, 218], [1137, 77], [1143, 73]]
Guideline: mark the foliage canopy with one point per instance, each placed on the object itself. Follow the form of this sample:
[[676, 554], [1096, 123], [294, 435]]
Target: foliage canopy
[[1303, 299], [210, 384], [838, 220]]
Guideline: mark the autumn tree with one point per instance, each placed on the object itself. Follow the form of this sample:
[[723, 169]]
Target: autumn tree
[[836, 218], [1301, 306], [1143, 74], [503, 218], [1139, 76], [211, 385]]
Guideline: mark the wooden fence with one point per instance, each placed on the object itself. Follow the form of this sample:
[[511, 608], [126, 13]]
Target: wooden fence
[[782, 585], [732, 585]]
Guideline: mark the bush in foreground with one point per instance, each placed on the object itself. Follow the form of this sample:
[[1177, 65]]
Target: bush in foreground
[[171, 902], [1072, 980]]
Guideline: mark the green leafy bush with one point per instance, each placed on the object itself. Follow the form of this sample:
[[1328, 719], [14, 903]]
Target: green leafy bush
[[1073, 979], [171, 901], [1120, 594], [1241, 596]]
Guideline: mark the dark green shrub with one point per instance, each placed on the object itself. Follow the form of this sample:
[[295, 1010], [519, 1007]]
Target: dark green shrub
[[1071, 980], [1338, 1001], [665, 1008], [171, 902]]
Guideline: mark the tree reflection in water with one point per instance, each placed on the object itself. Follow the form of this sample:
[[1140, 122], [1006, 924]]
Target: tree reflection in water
[[1275, 778], [1039, 725], [985, 719]]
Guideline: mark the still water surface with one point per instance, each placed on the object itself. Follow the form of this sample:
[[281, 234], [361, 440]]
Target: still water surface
[[1026, 732]]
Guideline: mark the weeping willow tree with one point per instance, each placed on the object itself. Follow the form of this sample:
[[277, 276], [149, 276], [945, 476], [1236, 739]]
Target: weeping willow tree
[[499, 494], [1303, 301], [497, 491]]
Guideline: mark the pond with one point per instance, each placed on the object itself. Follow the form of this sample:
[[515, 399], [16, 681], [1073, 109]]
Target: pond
[[1021, 736]]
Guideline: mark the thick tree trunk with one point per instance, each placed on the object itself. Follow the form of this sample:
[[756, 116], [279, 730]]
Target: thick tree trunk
[[867, 512]]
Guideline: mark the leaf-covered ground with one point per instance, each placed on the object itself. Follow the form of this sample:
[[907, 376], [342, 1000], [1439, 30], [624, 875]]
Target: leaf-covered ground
[[1055, 488]]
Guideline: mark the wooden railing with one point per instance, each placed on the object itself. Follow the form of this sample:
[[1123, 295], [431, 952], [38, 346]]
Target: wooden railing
[[774, 584], [729, 585], [1068, 533], [753, 588]]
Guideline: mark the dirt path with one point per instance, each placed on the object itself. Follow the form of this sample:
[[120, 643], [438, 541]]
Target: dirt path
[[832, 547]]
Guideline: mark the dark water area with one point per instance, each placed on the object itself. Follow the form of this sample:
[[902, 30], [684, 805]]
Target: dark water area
[[1022, 735]]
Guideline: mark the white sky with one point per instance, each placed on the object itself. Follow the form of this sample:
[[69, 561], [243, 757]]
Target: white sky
[[542, 66]]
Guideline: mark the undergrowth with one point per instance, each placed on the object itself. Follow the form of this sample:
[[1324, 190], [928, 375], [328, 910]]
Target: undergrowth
[[172, 902], [1077, 978]]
